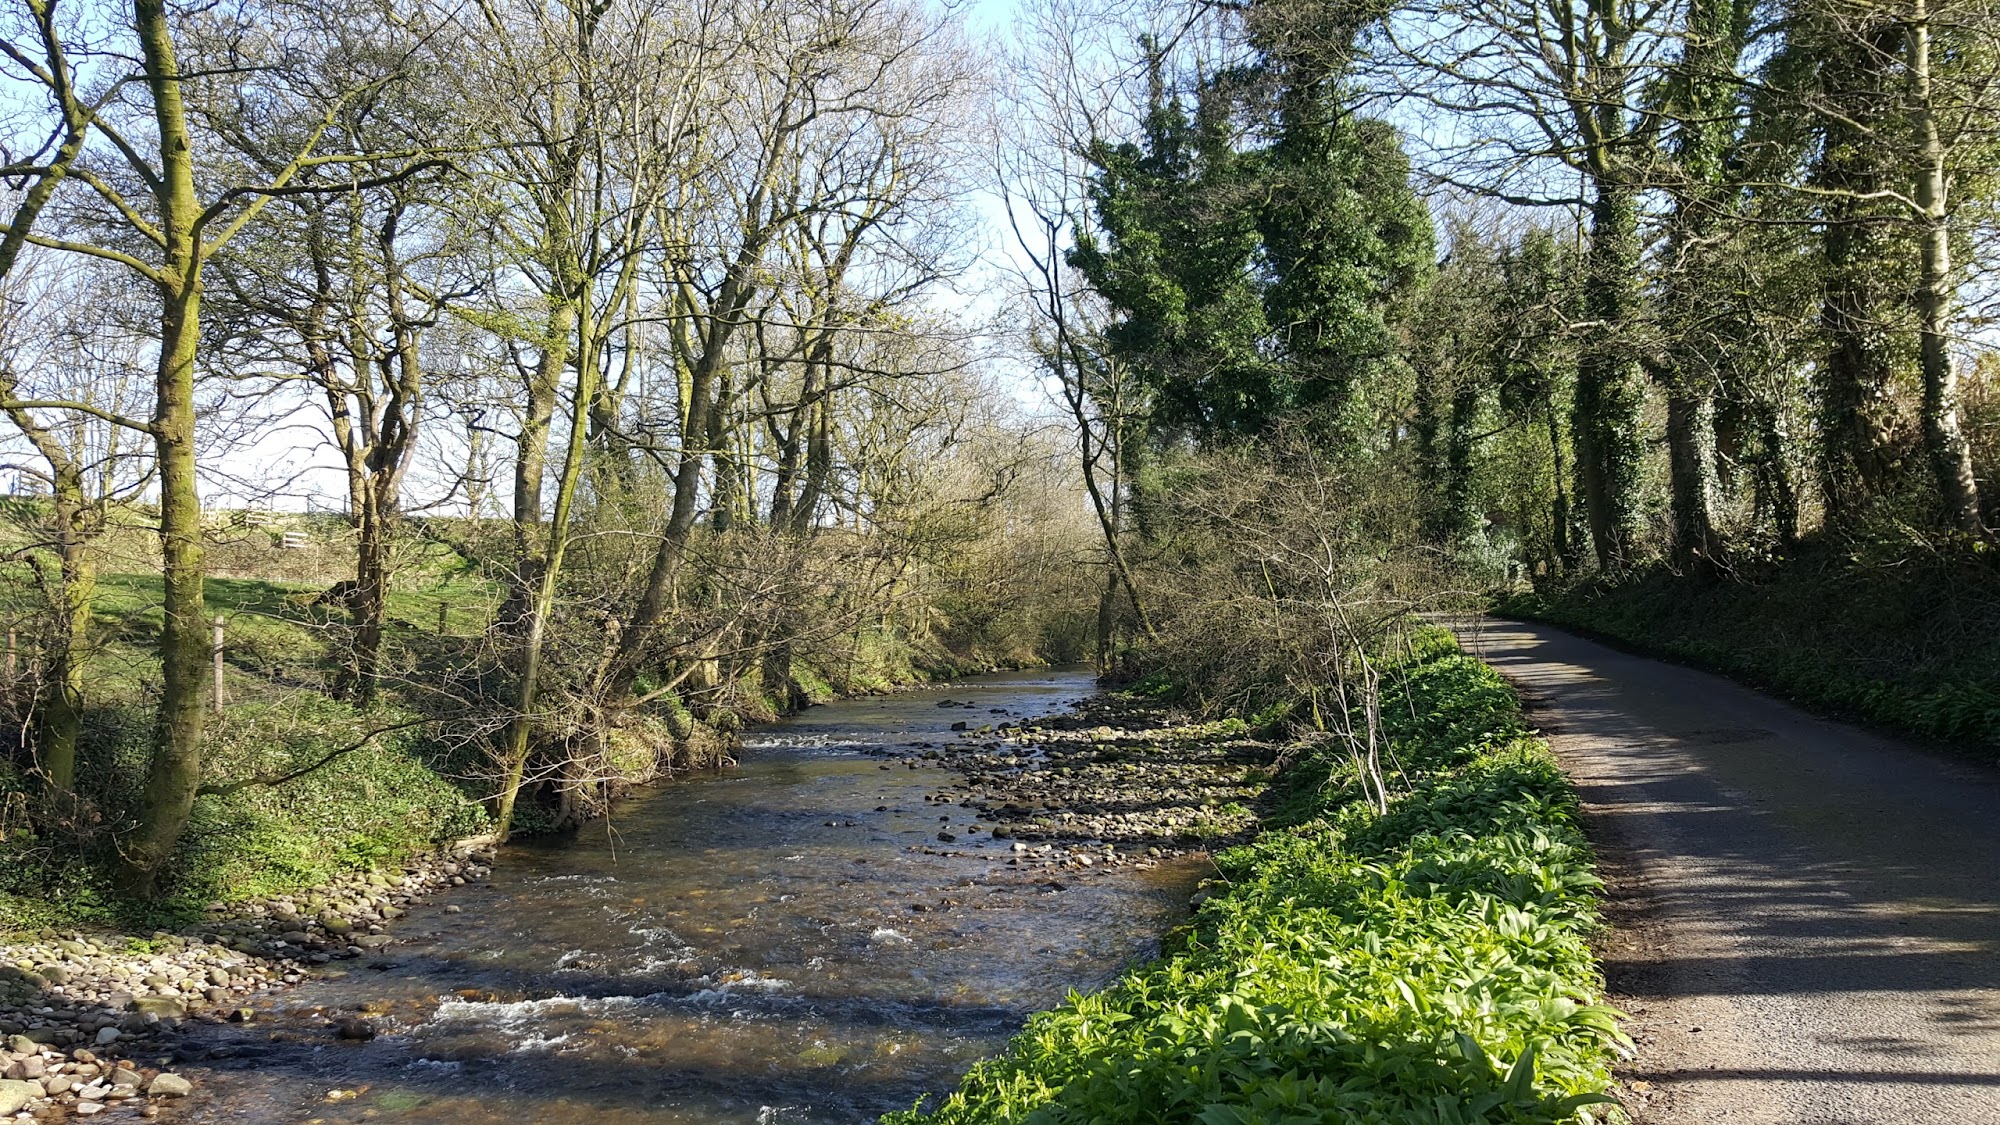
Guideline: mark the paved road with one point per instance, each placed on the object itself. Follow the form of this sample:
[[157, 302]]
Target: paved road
[[1806, 916]]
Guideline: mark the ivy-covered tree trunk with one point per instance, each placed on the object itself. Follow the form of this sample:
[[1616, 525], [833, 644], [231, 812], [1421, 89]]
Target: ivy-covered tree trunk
[[1691, 475], [1855, 376], [1608, 388], [1568, 553], [1703, 90]]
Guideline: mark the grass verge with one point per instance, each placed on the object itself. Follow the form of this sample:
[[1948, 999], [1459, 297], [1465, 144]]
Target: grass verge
[[1427, 966]]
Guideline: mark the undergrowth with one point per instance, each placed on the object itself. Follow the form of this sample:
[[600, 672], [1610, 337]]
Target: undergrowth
[[371, 806], [1427, 966]]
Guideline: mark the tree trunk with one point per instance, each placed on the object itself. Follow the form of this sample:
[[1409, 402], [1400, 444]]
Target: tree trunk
[[174, 772], [371, 571], [1702, 93], [1567, 551], [59, 712], [1855, 376], [1608, 391], [62, 700], [548, 567], [1461, 518], [532, 452], [1944, 438], [1691, 474]]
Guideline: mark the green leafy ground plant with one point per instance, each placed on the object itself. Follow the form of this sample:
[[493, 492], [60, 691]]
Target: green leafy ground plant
[[1425, 967]]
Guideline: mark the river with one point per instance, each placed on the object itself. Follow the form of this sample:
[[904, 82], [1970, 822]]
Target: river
[[787, 941]]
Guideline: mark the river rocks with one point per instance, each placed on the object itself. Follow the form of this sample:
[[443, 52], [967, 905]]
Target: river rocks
[[1116, 783], [117, 993], [355, 1028], [40, 1077], [29, 1068]]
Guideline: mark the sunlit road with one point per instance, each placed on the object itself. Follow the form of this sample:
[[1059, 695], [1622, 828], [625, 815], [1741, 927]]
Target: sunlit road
[[1806, 915]]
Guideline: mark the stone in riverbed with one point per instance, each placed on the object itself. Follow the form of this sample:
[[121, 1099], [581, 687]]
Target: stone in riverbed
[[356, 1028], [165, 1007], [15, 1095], [169, 1086]]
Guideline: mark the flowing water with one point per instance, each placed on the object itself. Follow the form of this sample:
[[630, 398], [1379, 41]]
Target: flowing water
[[786, 941]]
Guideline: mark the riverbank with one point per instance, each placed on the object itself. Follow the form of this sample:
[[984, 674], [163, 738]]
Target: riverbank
[[79, 1012], [1429, 964], [301, 789]]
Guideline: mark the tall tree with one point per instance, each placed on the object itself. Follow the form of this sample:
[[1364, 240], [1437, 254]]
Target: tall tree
[[1536, 89], [1703, 93], [153, 216]]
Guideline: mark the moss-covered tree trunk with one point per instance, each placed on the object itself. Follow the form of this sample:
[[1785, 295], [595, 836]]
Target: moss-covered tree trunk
[[181, 726], [66, 640], [572, 308], [69, 635], [366, 609]]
